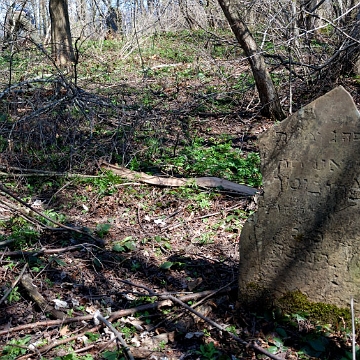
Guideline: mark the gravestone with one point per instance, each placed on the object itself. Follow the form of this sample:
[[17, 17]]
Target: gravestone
[[305, 234]]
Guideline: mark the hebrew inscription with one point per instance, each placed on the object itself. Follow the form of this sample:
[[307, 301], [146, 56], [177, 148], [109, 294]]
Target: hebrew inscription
[[305, 234]]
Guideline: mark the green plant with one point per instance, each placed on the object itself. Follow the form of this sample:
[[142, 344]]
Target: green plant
[[208, 351], [128, 331], [36, 264], [15, 348], [102, 229], [127, 244], [163, 242], [135, 265], [52, 214], [208, 159], [10, 265], [232, 329], [112, 355], [161, 345], [206, 332], [14, 296], [103, 185], [74, 356], [169, 264], [276, 345], [144, 300], [49, 282], [23, 233], [244, 82], [204, 239]]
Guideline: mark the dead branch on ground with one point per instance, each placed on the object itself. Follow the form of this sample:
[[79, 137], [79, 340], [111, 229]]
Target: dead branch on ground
[[203, 182], [174, 299], [41, 173], [45, 251], [113, 316], [117, 334], [14, 283], [26, 282], [9, 193]]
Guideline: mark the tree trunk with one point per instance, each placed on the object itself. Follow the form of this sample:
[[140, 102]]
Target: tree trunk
[[43, 18], [351, 60], [61, 42], [269, 99]]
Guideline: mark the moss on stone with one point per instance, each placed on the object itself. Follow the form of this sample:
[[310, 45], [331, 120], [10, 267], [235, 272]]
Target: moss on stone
[[296, 302]]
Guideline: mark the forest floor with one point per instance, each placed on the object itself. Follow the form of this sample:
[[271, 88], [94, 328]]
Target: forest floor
[[128, 245]]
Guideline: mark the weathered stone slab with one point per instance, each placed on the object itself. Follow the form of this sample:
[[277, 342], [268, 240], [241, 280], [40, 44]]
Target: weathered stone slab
[[305, 234]]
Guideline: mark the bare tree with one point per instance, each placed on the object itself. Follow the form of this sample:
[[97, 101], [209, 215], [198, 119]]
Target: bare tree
[[19, 18], [61, 42], [269, 99]]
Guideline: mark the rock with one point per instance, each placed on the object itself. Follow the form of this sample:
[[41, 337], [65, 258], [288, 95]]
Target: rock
[[305, 234]]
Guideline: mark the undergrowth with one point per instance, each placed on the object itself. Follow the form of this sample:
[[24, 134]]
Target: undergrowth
[[201, 159]]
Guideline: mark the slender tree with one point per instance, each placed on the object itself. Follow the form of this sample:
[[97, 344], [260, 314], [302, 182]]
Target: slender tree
[[61, 42], [269, 99]]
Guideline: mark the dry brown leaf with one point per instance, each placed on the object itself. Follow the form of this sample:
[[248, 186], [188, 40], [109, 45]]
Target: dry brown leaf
[[64, 330]]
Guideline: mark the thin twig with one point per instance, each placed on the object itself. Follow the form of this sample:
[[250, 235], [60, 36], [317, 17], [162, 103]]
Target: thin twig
[[113, 316], [33, 172], [24, 214], [139, 220], [6, 191], [226, 287], [6, 242], [55, 343], [13, 284], [221, 328], [46, 251], [174, 226], [117, 334], [211, 322], [353, 329]]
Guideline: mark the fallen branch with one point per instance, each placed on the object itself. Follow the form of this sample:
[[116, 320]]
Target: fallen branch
[[9, 193], [166, 65], [113, 316], [26, 282], [203, 182], [117, 334], [24, 214], [46, 251], [6, 242], [13, 284], [209, 321], [35, 172], [227, 287], [55, 343], [252, 345], [184, 221]]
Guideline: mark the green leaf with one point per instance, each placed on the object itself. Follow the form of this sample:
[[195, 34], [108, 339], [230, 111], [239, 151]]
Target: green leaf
[[276, 341], [272, 349], [59, 261], [110, 355], [317, 345], [97, 263], [130, 245], [281, 332], [92, 336], [118, 247], [166, 265]]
